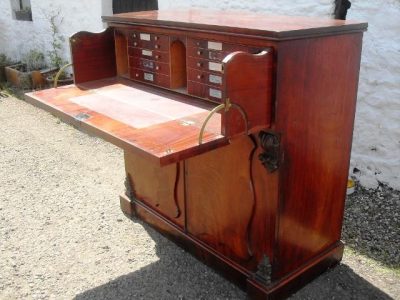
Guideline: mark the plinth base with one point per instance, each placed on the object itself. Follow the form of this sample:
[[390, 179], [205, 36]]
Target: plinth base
[[278, 289]]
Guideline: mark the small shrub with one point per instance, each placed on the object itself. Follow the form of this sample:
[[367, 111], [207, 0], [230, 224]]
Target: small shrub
[[5, 60], [34, 60]]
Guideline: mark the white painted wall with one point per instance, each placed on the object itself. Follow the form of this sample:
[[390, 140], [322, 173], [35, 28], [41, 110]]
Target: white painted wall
[[376, 145], [18, 37]]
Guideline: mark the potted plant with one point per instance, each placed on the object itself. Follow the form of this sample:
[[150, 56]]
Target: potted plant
[[24, 14], [4, 62], [30, 73]]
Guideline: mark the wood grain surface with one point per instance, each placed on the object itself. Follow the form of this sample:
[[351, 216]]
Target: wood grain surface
[[316, 98], [162, 126], [240, 22]]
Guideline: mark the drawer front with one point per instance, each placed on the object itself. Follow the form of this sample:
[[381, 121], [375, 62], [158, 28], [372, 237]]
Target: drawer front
[[213, 79], [149, 41], [204, 91], [149, 54], [204, 65], [215, 46], [150, 77], [149, 65], [206, 54]]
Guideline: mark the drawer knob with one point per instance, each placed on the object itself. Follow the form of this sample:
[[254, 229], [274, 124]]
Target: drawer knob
[[157, 68], [199, 64], [134, 44], [156, 38], [137, 74], [199, 76], [134, 35], [157, 46], [198, 43], [199, 52], [157, 56]]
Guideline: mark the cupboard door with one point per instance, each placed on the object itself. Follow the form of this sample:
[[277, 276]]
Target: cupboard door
[[160, 188], [231, 202]]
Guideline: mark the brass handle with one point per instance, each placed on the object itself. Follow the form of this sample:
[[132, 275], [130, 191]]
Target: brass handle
[[59, 73], [203, 127], [227, 105]]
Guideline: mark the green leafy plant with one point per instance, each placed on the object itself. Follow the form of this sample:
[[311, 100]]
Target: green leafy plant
[[55, 20], [5, 60], [34, 60], [57, 39]]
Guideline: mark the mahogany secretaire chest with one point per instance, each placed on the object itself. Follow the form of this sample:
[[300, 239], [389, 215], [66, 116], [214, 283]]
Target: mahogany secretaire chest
[[236, 128]]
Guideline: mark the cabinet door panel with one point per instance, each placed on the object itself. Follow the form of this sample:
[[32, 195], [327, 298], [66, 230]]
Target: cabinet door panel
[[161, 188], [231, 202]]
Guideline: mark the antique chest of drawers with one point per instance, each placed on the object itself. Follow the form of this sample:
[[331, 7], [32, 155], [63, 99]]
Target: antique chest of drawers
[[236, 129]]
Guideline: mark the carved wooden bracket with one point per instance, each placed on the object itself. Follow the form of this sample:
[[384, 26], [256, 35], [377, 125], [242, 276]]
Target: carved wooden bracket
[[270, 143]]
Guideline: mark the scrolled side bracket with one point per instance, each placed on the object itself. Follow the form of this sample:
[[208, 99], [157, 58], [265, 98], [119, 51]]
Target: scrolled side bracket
[[270, 143]]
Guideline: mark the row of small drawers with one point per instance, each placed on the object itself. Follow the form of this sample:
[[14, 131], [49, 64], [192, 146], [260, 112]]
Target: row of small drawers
[[149, 62], [193, 88], [149, 52], [149, 41], [205, 66], [210, 50]]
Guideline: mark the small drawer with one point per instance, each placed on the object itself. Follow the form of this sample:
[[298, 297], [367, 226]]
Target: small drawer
[[149, 41], [204, 91], [204, 44], [206, 54], [214, 46], [149, 54], [150, 77], [149, 65], [205, 65], [204, 77]]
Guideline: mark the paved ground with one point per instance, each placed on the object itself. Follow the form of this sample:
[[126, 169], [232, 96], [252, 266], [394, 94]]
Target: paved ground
[[63, 236]]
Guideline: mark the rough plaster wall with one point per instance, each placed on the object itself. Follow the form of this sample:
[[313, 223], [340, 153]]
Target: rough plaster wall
[[284, 7], [376, 145], [18, 37]]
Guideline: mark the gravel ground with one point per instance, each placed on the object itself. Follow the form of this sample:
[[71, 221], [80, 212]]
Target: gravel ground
[[63, 236]]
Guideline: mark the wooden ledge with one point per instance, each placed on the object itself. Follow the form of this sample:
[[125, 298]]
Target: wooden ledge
[[161, 126]]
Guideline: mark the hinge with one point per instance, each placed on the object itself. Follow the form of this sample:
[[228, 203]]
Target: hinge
[[270, 143]]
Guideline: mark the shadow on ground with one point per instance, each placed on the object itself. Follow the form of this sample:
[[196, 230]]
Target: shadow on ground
[[372, 224], [177, 275]]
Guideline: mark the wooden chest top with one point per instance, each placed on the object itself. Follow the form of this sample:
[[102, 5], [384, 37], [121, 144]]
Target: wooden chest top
[[238, 22]]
